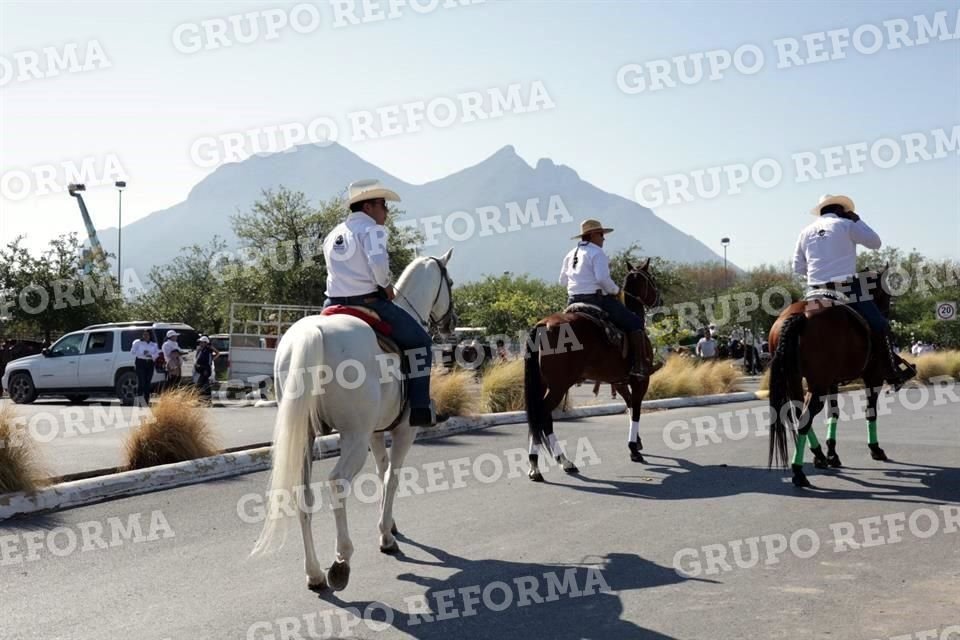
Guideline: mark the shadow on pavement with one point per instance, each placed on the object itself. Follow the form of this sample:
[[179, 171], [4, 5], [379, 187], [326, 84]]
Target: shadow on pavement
[[562, 614], [687, 480]]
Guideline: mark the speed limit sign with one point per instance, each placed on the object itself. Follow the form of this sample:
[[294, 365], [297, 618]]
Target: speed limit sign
[[946, 310]]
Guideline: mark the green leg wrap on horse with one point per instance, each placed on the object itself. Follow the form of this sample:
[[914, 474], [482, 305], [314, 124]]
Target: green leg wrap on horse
[[801, 444], [871, 432], [831, 429], [812, 439]]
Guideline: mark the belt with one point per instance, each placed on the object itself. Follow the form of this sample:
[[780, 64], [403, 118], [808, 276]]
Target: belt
[[361, 299]]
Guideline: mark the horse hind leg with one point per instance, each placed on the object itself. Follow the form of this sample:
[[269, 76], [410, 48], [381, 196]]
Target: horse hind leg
[[316, 580], [833, 415], [552, 401], [353, 453], [811, 407]]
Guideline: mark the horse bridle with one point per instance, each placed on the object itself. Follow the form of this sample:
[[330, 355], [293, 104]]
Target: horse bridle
[[445, 279]]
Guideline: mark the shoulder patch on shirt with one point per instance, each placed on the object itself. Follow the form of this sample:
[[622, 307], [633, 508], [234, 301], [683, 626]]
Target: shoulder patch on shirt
[[822, 232], [339, 244]]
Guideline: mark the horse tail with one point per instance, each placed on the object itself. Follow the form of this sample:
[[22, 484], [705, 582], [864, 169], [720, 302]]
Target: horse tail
[[785, 379], [297, 411], [537, 415]]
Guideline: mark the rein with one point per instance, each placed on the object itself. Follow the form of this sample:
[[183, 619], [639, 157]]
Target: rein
[[449, 312]]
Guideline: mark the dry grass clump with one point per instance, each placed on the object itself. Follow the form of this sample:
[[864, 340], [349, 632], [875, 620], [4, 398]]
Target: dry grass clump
[[452, 392], [765, 380], [501, 388], [20, 467], [684, 377], [935, 365], [176, 432]]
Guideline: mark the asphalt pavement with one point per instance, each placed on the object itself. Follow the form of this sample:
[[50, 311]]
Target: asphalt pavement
[[686, 545], [89, 436]]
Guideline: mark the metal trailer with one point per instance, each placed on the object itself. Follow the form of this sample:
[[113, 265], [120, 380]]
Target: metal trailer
[[255, 330]]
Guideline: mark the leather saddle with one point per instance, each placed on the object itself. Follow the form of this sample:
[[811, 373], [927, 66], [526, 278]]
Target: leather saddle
[[825, 298], [382, 330], [614, 335]]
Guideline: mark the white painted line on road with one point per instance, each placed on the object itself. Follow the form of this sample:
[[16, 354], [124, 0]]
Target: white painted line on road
[[225, 465]]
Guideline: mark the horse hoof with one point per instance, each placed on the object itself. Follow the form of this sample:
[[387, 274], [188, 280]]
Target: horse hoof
[[636, 456], [535, 475], [639, 443], [317, 584], [569, 467], [834, 461], [393, 529], [338, 575], [878, 454], [800, 478], [820, 463], [391, 549]]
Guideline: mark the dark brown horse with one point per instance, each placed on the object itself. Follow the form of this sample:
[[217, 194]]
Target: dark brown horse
[[575, 349], [828, 344]]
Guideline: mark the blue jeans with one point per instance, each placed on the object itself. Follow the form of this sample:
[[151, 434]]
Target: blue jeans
[[619, 314], [866, 308], [409, 336]]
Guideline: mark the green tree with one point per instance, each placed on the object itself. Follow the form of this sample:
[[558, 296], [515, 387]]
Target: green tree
[[507, 304], [50, 294]]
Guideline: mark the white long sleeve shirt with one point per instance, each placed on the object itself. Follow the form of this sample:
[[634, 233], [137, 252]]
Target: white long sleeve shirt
[[591, 272], [827, 248], [143, 349], [356, 256]]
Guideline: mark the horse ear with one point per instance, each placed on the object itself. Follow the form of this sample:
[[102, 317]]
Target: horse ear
[[629, 266], [446, 257], [646, 264]]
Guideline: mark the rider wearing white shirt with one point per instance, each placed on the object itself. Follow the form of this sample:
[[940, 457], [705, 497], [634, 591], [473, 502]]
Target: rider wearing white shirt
[[586, 275], [826, 254], [358, 274]]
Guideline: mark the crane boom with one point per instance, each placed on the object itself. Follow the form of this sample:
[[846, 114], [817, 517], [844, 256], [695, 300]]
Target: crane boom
[[95, 247]]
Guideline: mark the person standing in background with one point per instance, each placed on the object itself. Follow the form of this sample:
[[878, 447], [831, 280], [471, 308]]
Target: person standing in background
[[707, 346], [173, 357], [145, 353]]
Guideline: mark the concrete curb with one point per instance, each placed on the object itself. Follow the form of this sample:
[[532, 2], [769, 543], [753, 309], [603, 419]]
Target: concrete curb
[[225, 465]]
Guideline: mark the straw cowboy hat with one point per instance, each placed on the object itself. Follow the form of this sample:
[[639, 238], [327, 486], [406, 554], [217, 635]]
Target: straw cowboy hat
[[369, 190], [589, 226], [846, 202]]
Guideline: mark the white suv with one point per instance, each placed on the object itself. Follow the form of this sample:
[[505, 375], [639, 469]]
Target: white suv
[[93, 361]]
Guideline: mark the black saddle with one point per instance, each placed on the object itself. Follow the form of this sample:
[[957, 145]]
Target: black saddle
[[614, 335]]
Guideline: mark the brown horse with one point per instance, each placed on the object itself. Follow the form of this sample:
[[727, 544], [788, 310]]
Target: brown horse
[[827, 343], [576, 349]]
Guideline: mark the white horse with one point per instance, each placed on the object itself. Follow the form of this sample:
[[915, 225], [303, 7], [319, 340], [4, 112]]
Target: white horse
[[330, 369]]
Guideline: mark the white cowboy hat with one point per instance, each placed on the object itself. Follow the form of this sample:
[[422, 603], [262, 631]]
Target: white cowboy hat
[[172, 334], [826, 199], [369, 190], [203, 339], [589, 226]]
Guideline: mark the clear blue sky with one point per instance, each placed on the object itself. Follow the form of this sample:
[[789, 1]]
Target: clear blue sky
[[154, 102]]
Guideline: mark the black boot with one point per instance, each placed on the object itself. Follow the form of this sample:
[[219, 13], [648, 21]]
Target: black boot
[[899, 369], [638, 344], [423, 416]]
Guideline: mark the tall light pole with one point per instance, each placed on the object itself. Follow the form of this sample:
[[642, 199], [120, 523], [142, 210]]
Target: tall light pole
[[120, 185], [725, 242]]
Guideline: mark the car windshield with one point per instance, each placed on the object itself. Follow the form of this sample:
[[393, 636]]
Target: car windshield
[[220, 344], [68, 345]]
